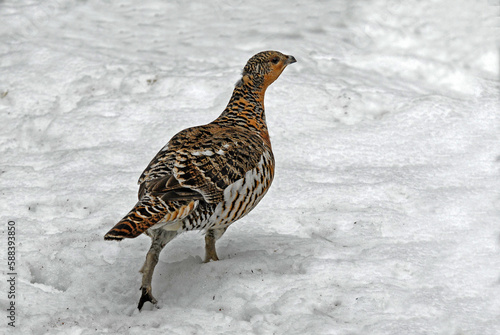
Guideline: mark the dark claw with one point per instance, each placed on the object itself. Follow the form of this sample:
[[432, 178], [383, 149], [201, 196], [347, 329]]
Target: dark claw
[[146, 296]]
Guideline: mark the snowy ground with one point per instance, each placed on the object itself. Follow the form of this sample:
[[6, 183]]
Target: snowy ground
[[384, 214]]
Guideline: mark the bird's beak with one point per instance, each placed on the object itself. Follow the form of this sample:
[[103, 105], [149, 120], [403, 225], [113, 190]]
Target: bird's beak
[[290, 60]]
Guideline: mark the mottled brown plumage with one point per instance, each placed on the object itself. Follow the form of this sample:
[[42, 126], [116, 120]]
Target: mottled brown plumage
[[208, 176]]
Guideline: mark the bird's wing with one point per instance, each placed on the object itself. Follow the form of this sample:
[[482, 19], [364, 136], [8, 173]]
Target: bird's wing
[[200, 162]]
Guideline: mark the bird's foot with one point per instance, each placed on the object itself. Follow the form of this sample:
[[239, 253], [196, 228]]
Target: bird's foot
[[146, 296], [210, 257]]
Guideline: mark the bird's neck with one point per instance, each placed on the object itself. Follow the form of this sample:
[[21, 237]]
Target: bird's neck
[[246, 106]]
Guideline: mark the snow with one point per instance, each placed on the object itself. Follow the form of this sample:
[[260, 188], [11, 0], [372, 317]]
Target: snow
[[383, 215]]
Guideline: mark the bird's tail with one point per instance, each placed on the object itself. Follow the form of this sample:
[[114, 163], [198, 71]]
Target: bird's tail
[[149, 211]]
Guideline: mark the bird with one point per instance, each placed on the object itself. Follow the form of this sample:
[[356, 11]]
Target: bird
[[209, 176]]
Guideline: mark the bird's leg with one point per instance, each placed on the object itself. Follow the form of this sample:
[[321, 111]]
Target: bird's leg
[[160, 238], [211, 236]]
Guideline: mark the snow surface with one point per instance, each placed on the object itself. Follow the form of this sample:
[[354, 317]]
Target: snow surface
[[384, 214]]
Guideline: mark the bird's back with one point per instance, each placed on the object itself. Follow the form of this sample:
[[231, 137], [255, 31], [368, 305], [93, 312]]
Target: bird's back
[[231, 167]]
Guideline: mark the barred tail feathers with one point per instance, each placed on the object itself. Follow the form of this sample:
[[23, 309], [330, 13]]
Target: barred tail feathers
[[146, 213]]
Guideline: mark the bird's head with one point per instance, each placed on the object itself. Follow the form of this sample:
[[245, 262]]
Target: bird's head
[[265, 67]]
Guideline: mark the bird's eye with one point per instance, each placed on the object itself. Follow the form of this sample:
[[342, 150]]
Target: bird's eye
[[275, 60]]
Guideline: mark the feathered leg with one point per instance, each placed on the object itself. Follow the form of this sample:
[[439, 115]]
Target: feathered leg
[[160, 238], [211, 236]]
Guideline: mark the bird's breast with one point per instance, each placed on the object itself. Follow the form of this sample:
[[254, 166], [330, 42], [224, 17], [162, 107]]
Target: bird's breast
[[243, 195]]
